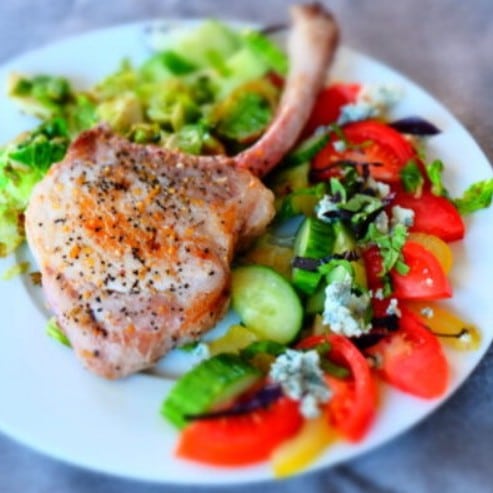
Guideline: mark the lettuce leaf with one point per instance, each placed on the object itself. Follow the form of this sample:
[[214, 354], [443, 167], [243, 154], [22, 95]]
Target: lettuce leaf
[[478, 196]]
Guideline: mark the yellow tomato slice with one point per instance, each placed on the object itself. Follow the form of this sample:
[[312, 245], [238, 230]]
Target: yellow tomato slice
[[450, 329], [264, 252], [437, 247], [297, 453], [236, 338]]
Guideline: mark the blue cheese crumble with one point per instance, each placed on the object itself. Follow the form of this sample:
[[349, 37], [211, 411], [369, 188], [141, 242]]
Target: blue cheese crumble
[[339, 145], [301, 379], [401, 215], [325, 205], [393, 308], [382, 223], [379, 187], [427, 312], [344, 310], [372, 101]]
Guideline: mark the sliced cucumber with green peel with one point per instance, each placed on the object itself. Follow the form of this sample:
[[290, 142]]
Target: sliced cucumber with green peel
[[315, 302], [210, 384], [343, 238], [345, 242], [307, 150], [287, 180], [266, 347], [314, 240], [266, 303]]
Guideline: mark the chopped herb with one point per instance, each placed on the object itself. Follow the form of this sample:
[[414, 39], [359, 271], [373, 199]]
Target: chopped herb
[[390, 246], [478, 196], [54, 331], [411, 178], [434, 172]]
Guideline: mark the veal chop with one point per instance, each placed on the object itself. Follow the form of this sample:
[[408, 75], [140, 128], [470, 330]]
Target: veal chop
[[135, 242]]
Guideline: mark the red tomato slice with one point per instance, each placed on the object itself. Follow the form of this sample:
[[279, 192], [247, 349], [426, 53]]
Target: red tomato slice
[[425, 280], [432, 214], [243, 439], [375, 143], [412, 359], [352, 407], [328, 105]]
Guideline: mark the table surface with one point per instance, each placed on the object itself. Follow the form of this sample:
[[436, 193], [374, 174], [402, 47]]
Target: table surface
[[445, 46]]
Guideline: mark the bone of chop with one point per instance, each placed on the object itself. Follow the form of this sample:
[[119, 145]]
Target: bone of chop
[[135, 242]]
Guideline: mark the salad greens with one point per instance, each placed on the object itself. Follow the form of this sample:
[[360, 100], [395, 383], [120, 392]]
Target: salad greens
[[208, 93]]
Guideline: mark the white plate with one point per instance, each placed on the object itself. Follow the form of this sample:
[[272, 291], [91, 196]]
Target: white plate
[[50, 403]]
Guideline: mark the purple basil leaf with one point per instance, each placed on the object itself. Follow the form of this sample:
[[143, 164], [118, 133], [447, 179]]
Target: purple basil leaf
[[259, 400], [415, 125]]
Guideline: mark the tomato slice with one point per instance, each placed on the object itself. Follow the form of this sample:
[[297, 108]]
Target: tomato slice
[[328, 105], [368, 141], [432, 214], [242, 439], [412, 359], [425, 280], [352, 407]]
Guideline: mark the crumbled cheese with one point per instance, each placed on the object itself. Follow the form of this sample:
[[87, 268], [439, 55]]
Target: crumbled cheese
[[372, 101], [301, 379], [355, 112], [427, 312], [401, 215], [344, 310], [379, 187], [393, 308], [325, 205], [382, 223], [339, 145], [382, 96], [378, 294], [465, 337], [201, 352]]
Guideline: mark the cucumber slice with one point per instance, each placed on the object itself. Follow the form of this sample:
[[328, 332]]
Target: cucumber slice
[[262, 354], [343, 239], [266, 303], [207, 386], [314, 239], [307, 150], [265, 347], [315, 302], [343, 242], [287, 180]]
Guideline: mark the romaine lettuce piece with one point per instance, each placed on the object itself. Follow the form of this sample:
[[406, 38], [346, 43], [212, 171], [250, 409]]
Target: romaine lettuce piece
[[22, 165], [44, 96], [121, 112]]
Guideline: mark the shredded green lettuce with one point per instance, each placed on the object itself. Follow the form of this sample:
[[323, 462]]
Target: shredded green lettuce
[[206, 94], [42, 95], [22, 165], [15, 270]]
